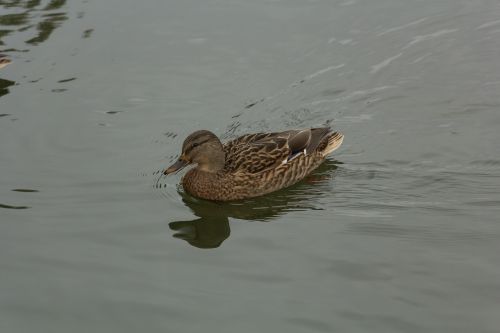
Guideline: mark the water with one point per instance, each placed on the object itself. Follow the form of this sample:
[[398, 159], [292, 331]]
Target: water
[[399, 232]]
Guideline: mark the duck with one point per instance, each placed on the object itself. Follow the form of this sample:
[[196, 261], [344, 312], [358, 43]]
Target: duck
[[253, 164], [4, 61]]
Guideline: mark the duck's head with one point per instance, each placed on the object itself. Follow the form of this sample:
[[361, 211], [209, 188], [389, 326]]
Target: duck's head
[[202, 148]]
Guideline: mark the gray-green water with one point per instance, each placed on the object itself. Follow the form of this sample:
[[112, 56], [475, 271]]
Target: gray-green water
[[399, 233]]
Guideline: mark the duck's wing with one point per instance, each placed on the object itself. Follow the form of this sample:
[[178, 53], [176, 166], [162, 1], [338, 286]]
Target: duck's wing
[[253, 153]]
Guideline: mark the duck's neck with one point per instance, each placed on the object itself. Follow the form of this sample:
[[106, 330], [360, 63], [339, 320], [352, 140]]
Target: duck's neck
[[214, 163]]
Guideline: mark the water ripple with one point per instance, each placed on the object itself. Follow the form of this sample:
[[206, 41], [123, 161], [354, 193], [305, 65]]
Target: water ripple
[[13, 207]]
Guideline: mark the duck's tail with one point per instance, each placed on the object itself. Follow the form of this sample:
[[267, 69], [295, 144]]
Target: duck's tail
[[334, 141]]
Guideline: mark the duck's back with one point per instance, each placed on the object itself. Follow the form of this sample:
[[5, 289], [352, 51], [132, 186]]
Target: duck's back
[[257, 152]]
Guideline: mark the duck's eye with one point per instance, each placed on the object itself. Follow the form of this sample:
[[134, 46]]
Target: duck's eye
[[196, 144]]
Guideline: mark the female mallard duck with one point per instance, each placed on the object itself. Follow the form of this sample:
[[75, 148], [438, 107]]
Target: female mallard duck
[[253, 164]]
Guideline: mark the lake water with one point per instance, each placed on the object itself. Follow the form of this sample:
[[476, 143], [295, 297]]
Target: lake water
[[398, 232]]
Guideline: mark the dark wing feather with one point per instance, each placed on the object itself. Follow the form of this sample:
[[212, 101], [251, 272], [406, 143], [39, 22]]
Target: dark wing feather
[[317, 137], [299, 141]]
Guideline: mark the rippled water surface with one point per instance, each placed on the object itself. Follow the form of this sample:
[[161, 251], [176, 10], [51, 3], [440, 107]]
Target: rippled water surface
[[398, 232]]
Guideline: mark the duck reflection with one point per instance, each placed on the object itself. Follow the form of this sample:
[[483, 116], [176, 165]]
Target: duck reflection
[[211, 227]]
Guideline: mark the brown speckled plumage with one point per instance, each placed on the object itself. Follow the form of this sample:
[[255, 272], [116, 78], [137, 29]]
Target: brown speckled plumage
[[253, 164]]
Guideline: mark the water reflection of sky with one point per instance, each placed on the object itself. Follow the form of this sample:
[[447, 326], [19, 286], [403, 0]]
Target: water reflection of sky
[[35, 19], [24, 24]]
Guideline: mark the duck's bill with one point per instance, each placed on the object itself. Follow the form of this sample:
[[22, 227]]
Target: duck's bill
[[180, 164]]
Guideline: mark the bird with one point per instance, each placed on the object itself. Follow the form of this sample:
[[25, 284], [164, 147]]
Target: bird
[[252, 164], [4, 61]]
